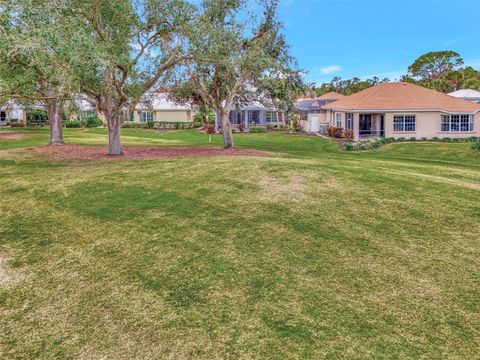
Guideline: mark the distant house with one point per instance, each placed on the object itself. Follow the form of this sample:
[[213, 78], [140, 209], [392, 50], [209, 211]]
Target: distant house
[[404, 110], [254, 114], [156, 108], [467, 94], [312, 114], [12, 111], [160, 108]]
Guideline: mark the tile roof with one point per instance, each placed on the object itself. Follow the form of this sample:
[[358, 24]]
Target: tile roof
[[332, 95], [402, 96]]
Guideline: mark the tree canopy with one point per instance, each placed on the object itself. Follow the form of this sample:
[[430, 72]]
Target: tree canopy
[[349, 86], [125, 49], [237, 57], [31, 72]]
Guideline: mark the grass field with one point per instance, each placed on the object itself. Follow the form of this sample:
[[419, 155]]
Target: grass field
[[311, 254]]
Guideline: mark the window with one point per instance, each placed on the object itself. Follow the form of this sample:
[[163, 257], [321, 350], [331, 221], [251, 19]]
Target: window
[[132, 116], [349, 121], [273, 116], [270, 116], [457, 123], [146, 116], [403, 123], [339, 120], [3, 116]]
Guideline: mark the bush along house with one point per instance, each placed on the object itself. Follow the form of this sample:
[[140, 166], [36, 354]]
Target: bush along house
[[404, 110], [255, 114]]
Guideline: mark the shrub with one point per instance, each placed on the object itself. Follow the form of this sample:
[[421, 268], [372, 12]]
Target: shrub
[[73, 124], [413, 138], [476, 144], [15, 123], [150, 125], [424, 139], [257, 129], [348, 134], [93, 121], [349, 147], [336, 132]]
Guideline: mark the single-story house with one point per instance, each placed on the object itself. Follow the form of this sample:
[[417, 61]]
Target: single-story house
[[404, 110], [157, 108], [160, 108], [12, 111], [312, 114], [254, 114], [467, 94]]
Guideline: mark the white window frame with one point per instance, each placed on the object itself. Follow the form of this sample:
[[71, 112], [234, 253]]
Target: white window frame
[[400, 123], [145, 116], [454, 123], [338, 120], [349, 121]]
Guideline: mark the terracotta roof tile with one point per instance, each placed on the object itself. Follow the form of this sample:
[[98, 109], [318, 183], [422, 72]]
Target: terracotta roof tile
[[331, 96], [402, 96]]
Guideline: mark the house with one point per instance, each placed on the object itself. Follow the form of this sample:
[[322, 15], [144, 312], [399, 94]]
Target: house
[[12, 111], [312, 114], [404, 110], [467, 94], [158, 108], [254, 114]]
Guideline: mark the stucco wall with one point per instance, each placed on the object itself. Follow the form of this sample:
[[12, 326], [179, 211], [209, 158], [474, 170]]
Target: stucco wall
[[428, 125], [173, 116], [322, 119], [167, 116]]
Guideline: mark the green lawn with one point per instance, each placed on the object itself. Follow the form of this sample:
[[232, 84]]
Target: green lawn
[[312, 254]]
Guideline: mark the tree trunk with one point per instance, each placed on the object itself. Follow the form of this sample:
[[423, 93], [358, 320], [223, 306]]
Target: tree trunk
[[55, 123], [227, 131], [114, 145]]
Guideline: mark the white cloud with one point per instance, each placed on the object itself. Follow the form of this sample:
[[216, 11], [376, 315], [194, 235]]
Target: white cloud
[[330, 69]]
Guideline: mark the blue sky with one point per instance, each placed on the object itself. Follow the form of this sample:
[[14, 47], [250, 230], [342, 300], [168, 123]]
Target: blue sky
[[363, 38]]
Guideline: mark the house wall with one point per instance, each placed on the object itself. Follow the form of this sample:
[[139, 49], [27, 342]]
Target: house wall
[[167, 115], [428, 125], [322, 117], [15, 113]]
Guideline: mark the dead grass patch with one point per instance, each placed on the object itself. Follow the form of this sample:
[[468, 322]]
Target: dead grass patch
[[11, 135], [7, 275], [77, 152]]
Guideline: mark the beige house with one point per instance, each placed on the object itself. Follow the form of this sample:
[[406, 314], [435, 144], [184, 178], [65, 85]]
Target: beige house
[[160, 108], [404, 110], [157, 107]]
